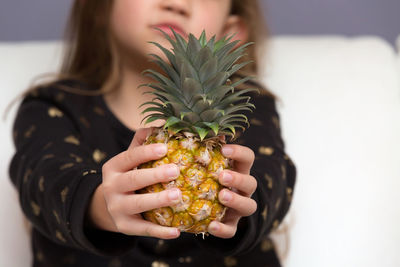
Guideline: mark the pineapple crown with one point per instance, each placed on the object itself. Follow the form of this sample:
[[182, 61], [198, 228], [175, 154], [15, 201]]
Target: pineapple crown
[[196, 95]]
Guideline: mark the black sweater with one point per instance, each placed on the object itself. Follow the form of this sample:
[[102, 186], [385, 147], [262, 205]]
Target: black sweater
[[63, 139]]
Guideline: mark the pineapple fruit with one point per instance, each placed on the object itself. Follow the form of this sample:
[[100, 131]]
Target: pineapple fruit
[[199, 104]]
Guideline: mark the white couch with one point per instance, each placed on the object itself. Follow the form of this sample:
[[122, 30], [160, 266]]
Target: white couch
[[340, 116]]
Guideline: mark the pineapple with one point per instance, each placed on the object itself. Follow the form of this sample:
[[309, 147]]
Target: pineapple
[[199, 105]]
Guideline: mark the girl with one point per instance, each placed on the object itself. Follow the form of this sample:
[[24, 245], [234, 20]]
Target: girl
[[79, 138]]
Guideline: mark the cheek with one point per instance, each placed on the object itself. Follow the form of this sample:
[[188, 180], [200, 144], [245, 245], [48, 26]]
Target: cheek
[[127, 21], [209, 20], [129, 24]]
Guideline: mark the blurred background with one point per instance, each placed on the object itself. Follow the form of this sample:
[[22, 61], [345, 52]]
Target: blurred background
[[44, 19], [336, 66]]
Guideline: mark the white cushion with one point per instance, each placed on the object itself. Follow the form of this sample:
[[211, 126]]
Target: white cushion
[[340, 115], [398, 54]]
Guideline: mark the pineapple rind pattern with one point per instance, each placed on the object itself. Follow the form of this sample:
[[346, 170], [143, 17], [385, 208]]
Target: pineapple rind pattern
[[198, 182]]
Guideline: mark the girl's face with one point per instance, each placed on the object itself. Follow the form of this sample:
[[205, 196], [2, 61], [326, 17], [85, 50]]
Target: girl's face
[[133, 22]]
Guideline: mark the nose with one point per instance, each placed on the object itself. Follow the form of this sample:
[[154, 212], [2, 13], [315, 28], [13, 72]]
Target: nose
[[179, 7]]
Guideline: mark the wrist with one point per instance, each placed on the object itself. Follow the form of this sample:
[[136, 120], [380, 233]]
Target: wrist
[[97, 215]]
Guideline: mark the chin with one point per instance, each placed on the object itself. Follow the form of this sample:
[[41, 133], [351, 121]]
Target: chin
[[152, 49]]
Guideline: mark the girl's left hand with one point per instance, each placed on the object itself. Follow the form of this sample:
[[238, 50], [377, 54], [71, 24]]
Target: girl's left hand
[[238, 199]]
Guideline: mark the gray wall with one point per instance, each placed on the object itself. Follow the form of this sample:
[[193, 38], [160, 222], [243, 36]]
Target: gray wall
[[349, 17], [32, 19], [44, 19]]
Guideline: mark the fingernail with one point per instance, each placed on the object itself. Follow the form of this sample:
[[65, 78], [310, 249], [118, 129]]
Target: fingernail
[[214, 227], [174, 194], [160, 149], [172, 171], [226, 177], [227, 151], [174, 232], [226, 196]]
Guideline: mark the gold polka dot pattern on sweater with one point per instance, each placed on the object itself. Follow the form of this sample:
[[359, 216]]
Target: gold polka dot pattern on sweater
[[55, 112], [268, 151], [99, 155], [64, 194], [72, 140]]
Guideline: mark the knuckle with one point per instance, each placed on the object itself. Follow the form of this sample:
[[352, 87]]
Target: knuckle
[[254, 206], [132, 178], [138, 203], [119, 227], [162, 198], [122, 227], [254, 184], [159, 173], [148, 150], [248, 208], [148, 231], [235, 150], [113, 207], [129, 155], [231, 232], [141, 131], [239, 179], [107, 183], [105, 169], [107, 188], [252, 155]]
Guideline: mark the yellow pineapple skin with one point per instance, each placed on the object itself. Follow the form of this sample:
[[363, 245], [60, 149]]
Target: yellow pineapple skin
[[200, 164]]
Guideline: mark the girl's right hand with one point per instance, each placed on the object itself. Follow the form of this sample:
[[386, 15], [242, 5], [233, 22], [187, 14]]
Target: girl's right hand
[[115, 206]]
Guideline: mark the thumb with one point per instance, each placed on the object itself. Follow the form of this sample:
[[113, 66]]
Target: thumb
[[141, 136]]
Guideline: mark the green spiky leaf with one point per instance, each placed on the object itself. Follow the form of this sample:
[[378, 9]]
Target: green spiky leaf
[[193, 92], [171, 121], [213, 125], [203, 39], [202, 132]]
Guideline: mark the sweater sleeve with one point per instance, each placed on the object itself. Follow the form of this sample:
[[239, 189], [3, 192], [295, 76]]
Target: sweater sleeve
[[275, 174], [55, 174]]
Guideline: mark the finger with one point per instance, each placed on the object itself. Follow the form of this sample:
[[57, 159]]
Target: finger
[[245, 183], [140, 136], [138, 203], [245, 206], [133, 157], [243, 157], [224, 230], [137, 179], [140, 227], [146, 228]]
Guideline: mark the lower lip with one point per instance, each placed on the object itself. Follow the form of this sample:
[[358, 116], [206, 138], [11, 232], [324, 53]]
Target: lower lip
[[168, 30]]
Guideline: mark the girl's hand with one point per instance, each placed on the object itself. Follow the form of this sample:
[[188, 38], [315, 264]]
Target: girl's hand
[[238, 199], [115, 206]]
